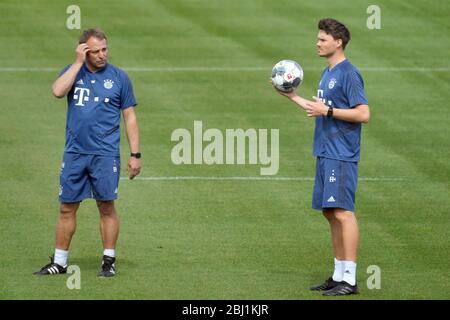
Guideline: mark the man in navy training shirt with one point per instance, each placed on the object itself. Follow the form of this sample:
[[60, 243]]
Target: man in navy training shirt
[[97, 93], [339, 109]]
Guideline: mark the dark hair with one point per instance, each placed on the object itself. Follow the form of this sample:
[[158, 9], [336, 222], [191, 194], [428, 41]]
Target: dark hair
[[336, 29], [93, 32]]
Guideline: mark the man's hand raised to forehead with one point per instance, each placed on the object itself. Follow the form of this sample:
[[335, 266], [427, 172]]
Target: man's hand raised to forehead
[[81, 52]]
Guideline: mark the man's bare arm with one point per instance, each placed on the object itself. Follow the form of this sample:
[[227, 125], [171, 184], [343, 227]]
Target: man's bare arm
[[359, 113], [132, 130], [63, 84], [301, 102]]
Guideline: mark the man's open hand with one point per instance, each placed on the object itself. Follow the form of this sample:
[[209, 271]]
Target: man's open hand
[[289, 95]]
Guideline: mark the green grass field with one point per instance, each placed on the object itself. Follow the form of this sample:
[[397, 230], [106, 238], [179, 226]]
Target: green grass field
[[229, 239]]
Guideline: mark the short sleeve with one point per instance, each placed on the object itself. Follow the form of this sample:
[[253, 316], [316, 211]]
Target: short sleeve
[[127, 98], [64, 70], [354, 89]]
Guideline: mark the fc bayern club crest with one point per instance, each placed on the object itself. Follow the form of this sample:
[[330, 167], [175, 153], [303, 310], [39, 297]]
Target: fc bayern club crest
[[108, 84], [332, 83]]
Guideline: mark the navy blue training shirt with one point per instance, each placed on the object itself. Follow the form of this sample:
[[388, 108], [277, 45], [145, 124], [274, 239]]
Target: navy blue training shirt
[[95, 102], [342, 87]]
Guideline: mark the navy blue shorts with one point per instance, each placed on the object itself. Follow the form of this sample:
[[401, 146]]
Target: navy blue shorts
[[88, 176], [335, 184]]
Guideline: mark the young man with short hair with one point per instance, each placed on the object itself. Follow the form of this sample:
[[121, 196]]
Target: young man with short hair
[[340, 108]]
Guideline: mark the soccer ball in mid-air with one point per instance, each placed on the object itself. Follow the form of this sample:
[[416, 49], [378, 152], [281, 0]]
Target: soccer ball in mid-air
[[287, 75]]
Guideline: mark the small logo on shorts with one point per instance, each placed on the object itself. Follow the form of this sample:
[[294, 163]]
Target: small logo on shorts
[[332, 177], [115, 191], [60, 189], [114, 169], [331, 199]]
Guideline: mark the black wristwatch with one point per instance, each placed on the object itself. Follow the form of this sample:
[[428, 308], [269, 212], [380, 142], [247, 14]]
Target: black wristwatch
[[137, 155], [330, 112]]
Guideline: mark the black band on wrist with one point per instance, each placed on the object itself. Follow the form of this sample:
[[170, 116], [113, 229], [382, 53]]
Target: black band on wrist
[[330, 112], [137, 155]]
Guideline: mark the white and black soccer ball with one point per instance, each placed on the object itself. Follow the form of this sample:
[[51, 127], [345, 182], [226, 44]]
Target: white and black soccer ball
[[287, 75]]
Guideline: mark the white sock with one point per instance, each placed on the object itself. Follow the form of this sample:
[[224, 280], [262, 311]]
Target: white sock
[[349, 272], [338, 270], [109, 252], [61, 257]]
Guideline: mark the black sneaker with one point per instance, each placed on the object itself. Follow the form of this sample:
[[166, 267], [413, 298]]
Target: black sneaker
[[343, 289], [51, 269], [108, 267], [327, 285]]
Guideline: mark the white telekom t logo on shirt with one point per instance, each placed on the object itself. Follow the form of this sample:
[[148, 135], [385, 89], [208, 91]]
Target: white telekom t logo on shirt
[[81, 96]]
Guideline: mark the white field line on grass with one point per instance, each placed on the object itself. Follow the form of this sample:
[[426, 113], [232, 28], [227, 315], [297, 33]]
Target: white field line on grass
[[250, 178], [228, 69]]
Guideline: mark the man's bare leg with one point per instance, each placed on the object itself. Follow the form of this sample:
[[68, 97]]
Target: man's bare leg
[[350, 233], [109, 229], [109, 224], [350, 243], [66, 225], [338, 245]]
